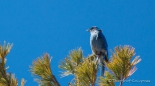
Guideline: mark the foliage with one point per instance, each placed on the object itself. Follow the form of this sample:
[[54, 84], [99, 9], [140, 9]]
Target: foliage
[[41, 68], [6, 79], [108, 80], [86, 73], [71, 62], [120, 67], [84, 69], [120, 63]]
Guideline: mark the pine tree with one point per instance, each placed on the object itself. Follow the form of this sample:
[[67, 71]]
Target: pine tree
[[84, 69]]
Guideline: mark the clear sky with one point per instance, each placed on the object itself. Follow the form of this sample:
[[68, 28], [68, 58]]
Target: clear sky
[[58, 26]]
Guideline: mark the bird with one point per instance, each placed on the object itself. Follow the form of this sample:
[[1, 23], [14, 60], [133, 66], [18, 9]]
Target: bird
[[99, 46]]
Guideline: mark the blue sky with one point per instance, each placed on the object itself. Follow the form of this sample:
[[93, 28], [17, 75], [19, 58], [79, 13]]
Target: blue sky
[[58, 26]]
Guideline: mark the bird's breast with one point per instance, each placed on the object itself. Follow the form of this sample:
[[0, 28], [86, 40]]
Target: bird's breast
[[95, 44]]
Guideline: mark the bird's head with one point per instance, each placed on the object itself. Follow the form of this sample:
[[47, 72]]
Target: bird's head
[[94, 29]]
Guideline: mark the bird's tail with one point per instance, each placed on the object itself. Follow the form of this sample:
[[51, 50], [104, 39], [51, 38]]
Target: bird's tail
[[102, 65], [106, 57], [102, 70]]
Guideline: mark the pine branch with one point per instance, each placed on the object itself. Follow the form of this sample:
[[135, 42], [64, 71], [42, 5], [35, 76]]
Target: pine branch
[[107, 80], [71, 62], [23, 82], [87, 72], [4, 50], [120, 64], [42, 70], [84, 69], [5, 78]]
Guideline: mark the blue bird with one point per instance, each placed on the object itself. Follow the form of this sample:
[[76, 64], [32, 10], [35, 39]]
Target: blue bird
[[99, 46]]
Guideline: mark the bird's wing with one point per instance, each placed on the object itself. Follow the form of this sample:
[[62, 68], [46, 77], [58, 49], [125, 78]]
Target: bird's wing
[[103, 45], [102, 41]]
